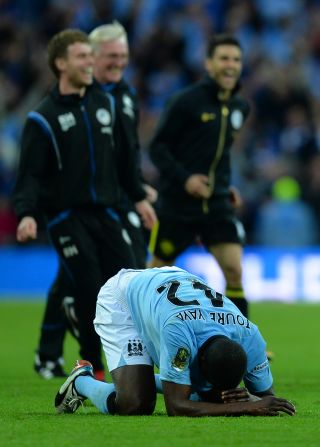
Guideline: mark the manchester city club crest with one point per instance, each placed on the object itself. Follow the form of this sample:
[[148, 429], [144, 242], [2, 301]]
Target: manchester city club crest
[[135, 348], [181, 359]]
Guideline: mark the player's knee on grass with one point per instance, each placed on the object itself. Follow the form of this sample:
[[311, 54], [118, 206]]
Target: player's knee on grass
[[135, 405], [135, 388]]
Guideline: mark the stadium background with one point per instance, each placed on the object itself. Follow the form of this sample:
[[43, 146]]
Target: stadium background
[[276, 158]]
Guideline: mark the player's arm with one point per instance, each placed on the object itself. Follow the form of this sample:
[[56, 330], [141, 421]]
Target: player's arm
[[177, 402], [235, 197], [166, 140], [34, 159], [146, 213]]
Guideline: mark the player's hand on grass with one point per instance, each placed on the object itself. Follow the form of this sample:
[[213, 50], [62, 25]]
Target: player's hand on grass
[[271, 406], [27, 229], [235, 395]]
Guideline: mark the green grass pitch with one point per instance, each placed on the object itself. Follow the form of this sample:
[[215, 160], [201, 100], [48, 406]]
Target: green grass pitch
[[27, 415]]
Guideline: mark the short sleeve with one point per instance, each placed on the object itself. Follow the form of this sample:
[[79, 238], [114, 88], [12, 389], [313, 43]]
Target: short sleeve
[[177, 353], [258, 377]]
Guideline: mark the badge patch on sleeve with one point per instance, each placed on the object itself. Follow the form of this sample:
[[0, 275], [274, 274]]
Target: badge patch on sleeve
[[181, 359]]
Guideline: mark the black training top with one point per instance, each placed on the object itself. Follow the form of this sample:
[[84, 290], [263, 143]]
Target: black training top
[[68, 156], [194, 136]]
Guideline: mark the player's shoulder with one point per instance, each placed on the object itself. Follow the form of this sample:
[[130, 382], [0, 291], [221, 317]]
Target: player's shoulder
[[126, 87], [46, 104], [125, 90], [240, 103], [96, 93], [183, 99], [188, 94], [177, 331], [45, 110]]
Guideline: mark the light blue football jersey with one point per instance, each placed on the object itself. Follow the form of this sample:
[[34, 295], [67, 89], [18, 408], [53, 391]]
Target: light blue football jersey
[[175, 313]]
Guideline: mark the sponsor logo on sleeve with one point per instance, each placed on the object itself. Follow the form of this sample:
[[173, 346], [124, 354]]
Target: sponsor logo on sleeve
[[261, 366]]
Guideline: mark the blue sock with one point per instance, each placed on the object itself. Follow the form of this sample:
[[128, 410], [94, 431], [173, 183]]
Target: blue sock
[[158, 383], [98, 392]]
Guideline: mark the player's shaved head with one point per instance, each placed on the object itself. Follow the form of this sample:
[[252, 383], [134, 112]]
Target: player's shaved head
[[223, 362]]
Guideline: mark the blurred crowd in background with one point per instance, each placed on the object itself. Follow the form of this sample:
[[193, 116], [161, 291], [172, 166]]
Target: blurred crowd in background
[[277, 156]]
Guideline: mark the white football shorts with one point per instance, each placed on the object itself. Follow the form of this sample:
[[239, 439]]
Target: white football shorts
[[121, 343]]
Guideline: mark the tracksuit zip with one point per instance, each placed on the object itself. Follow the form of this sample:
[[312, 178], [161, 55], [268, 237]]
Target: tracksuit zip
[[219, 152], [91, 151]]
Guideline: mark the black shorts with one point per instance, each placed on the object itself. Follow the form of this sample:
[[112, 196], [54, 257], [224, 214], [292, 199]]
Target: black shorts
[[171, 236]]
